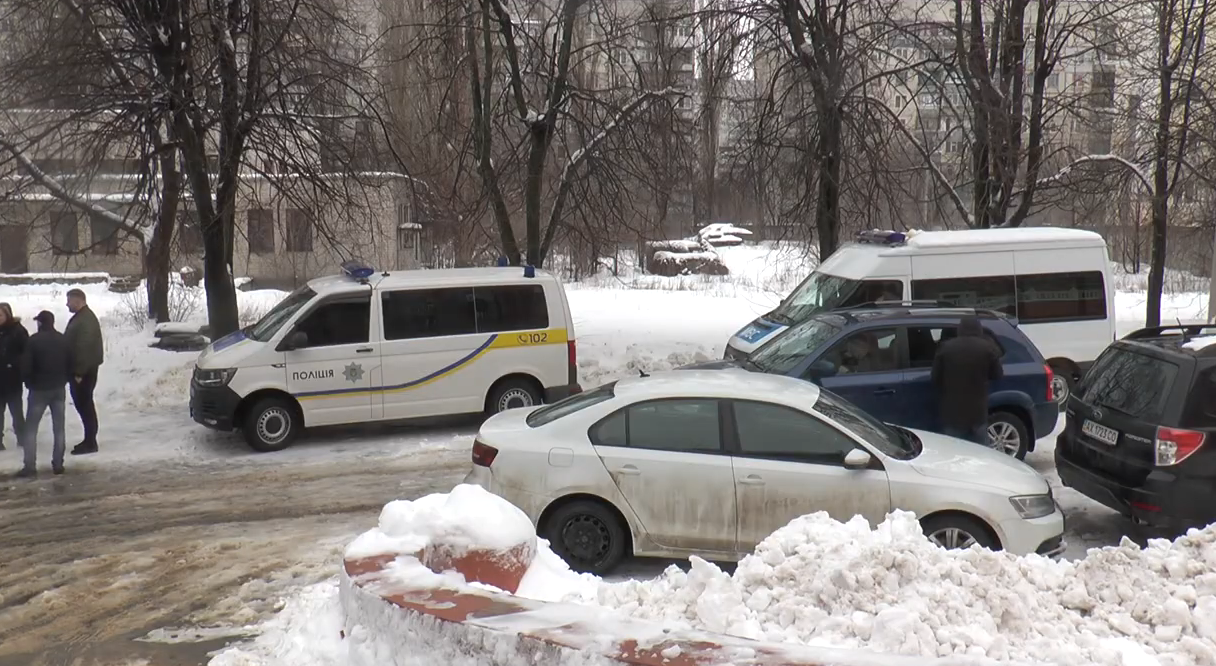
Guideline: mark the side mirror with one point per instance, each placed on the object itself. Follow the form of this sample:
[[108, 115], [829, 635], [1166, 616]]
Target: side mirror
[[857, 459], [294, 340], [822, 368]]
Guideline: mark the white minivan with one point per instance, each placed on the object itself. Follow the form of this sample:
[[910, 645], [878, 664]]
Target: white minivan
[[361, 346], [1055, 281]]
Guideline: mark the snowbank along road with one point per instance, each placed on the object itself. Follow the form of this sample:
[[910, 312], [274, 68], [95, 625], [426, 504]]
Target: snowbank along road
[[93, 561]]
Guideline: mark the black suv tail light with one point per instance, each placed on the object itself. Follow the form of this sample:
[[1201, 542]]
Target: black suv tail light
[[1051, 375], [483, 454], [1174, 445]]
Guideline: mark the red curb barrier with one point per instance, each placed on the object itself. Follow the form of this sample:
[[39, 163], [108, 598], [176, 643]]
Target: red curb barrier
[[542, 633]]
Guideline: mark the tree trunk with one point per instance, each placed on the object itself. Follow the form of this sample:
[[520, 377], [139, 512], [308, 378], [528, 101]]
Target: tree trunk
[[533, 187], [827, 205], [221, 293], [157, 258]]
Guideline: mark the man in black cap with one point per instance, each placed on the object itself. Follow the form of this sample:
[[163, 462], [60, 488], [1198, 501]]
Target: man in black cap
[[962, 369], [46, 368]]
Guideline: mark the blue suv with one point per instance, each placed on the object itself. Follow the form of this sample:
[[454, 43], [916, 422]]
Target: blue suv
[[897, 344]]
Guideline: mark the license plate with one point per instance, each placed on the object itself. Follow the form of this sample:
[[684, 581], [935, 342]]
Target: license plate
[[1103, 434]]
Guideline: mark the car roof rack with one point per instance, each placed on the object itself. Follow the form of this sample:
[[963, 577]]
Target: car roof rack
[[1187, 331], [925, 304]]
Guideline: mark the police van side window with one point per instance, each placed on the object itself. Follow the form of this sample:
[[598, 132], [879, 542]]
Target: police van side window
[[510, 308], [339, 322], [428, 313], [992, 293]]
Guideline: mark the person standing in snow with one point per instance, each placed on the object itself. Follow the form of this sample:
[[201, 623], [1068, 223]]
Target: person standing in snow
[[962, 369], [13, 337], [83, 335], [46, 366]]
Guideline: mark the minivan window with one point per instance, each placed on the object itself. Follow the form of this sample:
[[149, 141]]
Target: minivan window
[[344, 321], [272, 321], [820, 291], [428, 313], [1131, 383], [784, 352], [991, 293], [1061, 297], [519, 307]]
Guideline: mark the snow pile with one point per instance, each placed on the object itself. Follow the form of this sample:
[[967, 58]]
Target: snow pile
[[467, 518], [722, 233], [820, 582], [309, 631]]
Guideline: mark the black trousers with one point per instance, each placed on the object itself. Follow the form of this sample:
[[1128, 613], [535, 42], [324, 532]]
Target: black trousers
[[82, 397]]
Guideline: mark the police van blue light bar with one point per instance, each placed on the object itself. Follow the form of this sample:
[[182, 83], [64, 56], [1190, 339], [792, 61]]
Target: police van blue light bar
[[879, 237], [357, 269]]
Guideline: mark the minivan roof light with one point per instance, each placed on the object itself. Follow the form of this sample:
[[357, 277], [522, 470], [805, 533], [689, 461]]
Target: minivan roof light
[[357, 270], [880, 237]]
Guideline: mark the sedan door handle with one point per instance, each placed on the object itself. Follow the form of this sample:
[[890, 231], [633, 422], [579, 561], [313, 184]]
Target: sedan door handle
[[364, 350], [628, 470], [751, 480], [885, 391]]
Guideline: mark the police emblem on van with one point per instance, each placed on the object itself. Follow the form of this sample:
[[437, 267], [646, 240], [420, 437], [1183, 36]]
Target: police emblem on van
[[353, 373], [312, 374]]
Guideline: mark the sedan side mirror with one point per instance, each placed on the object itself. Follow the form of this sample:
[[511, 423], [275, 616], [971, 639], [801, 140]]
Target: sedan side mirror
[[822, 368], [857, 459], [294, 340]]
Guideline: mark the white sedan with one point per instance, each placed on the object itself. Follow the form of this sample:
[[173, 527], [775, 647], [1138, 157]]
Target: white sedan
[[710, 462]]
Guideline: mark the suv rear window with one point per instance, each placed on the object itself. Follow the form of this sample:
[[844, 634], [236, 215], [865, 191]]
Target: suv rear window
[[570, 405], [1135, 384]]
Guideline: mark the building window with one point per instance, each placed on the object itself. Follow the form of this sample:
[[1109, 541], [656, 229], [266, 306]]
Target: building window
[[189, 233], [65, 237], [299, 231], [260, 231], [105, 235], [407, 238]]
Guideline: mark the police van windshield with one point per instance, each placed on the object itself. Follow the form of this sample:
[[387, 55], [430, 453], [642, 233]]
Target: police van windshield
[[270, 324], [820, 291]]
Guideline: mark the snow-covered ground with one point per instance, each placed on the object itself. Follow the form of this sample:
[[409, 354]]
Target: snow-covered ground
[[815, 582], [623, 322]]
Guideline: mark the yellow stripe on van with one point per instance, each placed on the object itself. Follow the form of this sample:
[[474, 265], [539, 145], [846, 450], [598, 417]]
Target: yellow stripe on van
[[550, 336]]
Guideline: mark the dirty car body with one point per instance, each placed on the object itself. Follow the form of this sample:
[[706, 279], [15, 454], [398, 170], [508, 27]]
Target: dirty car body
[[710, 462]]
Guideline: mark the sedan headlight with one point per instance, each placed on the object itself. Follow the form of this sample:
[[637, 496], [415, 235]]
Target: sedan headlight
[[213, 378], [1033, 506]]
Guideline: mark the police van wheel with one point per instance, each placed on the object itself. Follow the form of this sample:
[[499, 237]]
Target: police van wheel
[[271, 425], [511, 394]]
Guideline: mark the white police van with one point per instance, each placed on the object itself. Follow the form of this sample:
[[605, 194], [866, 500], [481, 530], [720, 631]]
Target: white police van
[[1055, 281], [362, 347]]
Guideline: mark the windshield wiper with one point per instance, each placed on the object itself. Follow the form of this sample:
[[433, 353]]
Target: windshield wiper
[[779, 318], [1114, 409]]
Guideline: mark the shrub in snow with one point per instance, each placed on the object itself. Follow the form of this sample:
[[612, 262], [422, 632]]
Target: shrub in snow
[[818, 581], [184, 304]]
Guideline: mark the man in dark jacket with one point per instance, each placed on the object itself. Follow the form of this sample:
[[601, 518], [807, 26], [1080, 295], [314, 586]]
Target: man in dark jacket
[[12, 345], [962, 369], [83, 335], [46, 367]]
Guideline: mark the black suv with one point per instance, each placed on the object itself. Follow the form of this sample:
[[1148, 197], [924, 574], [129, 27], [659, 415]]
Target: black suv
[[1137, 427]]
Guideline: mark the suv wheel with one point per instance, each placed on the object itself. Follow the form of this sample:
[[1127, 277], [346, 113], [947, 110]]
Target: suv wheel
[[1007, 433], [1061, 384]]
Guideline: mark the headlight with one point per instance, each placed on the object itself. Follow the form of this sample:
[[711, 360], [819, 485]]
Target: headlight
[[213, 378], [1033, 506]]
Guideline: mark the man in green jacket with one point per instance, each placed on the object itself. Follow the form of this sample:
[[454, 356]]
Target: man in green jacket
[[83, 335]]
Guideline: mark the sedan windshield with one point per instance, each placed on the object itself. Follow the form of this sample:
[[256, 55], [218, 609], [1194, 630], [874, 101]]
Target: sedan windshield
[[783, 353], [819, 291], [270, 324], [874, 432]]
